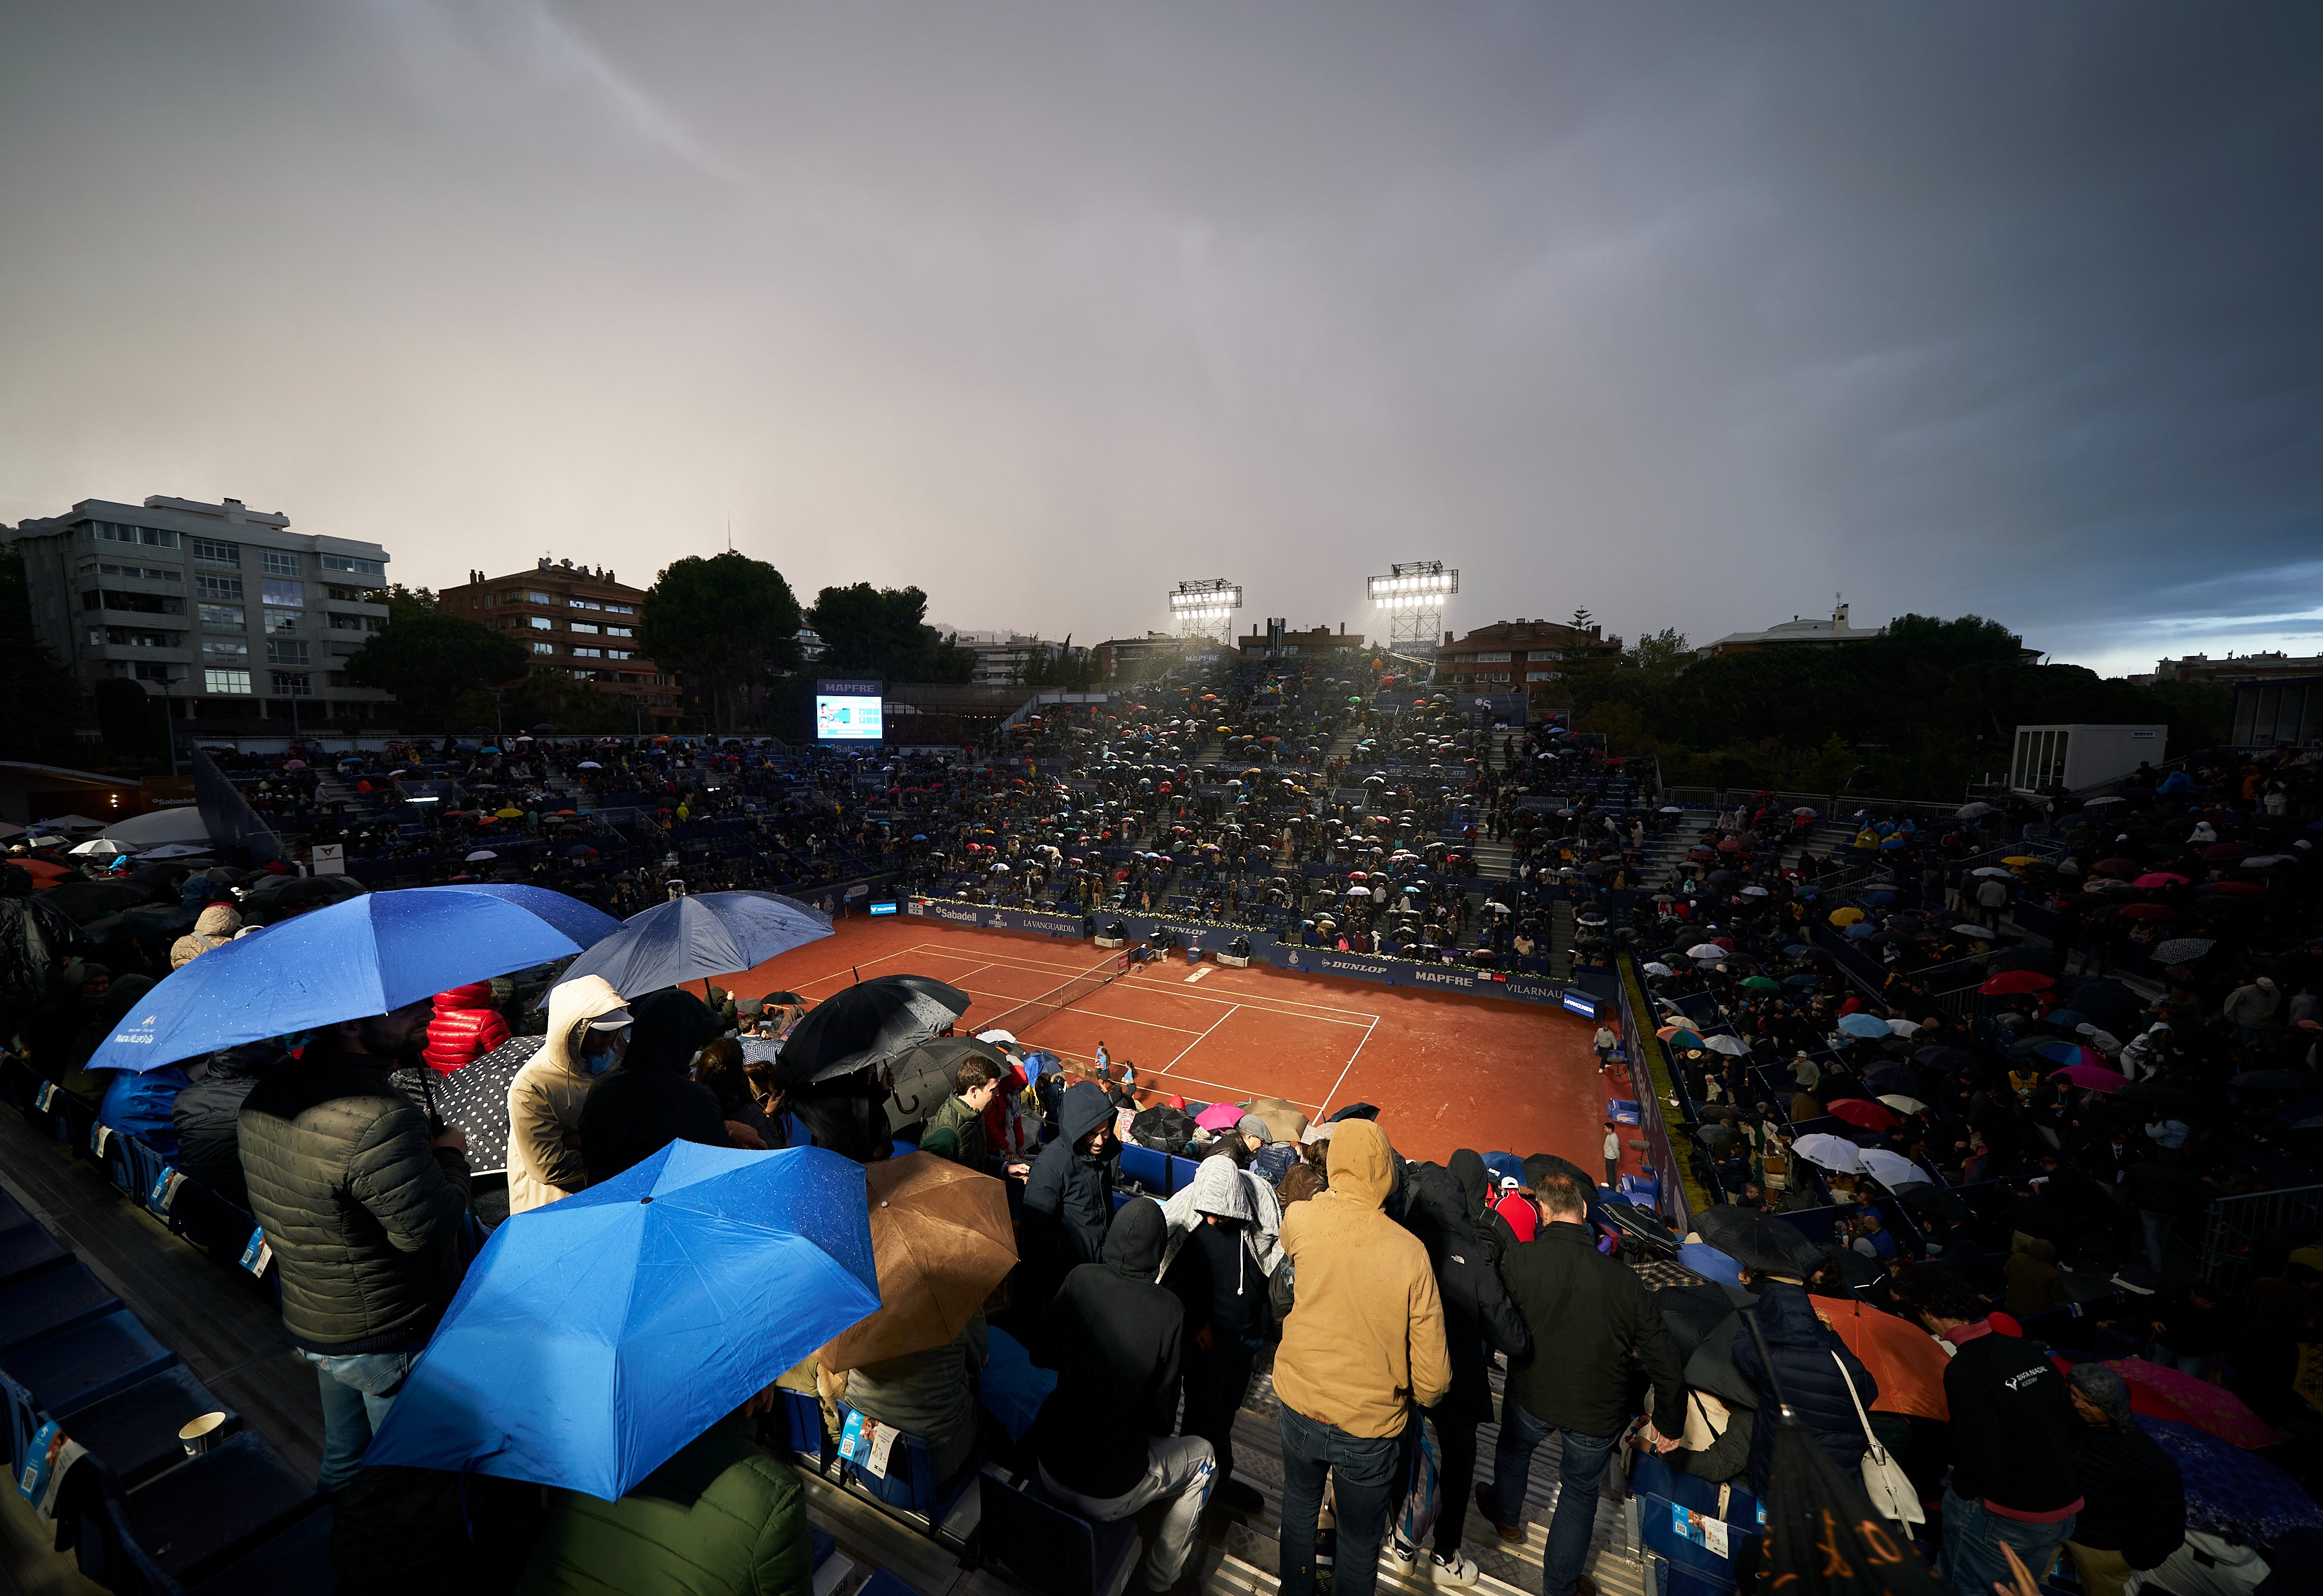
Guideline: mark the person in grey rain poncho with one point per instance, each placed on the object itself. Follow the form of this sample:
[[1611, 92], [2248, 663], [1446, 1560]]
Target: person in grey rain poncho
[[1223, 1247]]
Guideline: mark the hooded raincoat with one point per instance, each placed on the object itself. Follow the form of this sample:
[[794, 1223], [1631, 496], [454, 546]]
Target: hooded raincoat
[[1068, 1196], [544, 1100], [1366, 1338], [1220, 1186], [1115, 1339]]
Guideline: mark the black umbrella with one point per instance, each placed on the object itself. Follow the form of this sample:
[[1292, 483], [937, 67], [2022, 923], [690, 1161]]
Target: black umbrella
[[1757, 1241], [1164, 1127], [2277, 1080], [2102, 1000], [1690, 1313], [1948, 1060], [82, 901], [1922, 1198], [867, 1024], [921, 1076], [474, 1099]]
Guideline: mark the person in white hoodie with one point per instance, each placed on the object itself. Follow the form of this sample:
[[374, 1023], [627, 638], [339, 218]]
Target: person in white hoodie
[[1224, 1244], [587, 1030]]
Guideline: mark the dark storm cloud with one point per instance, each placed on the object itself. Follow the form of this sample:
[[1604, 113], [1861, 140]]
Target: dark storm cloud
[[1694, 315]]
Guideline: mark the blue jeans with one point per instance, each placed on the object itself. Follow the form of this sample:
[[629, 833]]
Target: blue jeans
[[357, 1392], [1578, 1476], [1366, 1482], [1974, 1534]]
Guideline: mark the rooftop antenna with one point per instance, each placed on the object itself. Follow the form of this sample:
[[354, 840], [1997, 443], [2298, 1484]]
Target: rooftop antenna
[[729, 535]]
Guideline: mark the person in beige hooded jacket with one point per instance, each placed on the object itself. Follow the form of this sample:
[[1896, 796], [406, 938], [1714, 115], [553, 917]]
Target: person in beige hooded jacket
[[585, 1028], [1363, 1347]]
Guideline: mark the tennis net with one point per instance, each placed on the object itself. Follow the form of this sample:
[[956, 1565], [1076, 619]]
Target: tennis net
[[1034, 1010]]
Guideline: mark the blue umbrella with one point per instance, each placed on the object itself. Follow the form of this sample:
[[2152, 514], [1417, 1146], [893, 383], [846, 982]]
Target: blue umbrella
[[596, 1337], [696, 936], [1864, 1025], [363, 956], [1709, 1263], [2232, 1492], [1803, 980]]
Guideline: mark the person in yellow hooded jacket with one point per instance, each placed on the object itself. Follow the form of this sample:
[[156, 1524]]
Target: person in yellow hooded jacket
[[1363, 1348]]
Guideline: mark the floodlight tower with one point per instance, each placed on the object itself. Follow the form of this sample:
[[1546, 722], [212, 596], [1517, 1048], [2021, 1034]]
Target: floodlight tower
[[1205, 610], [1412, 595]]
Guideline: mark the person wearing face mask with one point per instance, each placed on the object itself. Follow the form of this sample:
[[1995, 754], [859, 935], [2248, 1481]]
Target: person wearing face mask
[[651, 1099], [587, 1033]]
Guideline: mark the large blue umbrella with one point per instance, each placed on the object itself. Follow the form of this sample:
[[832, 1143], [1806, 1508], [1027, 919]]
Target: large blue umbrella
[[597, 1336], [1864, 1025], [696, 936], [2232, 1492], [363, 956]]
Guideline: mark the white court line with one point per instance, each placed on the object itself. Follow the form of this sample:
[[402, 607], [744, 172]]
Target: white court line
[[1202, 973], [1336, 1084], [1221, 1020], [1025, 961]]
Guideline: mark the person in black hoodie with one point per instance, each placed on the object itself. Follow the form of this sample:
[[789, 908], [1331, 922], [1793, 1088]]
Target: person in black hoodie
[[2015, 1482], [650, 1099], [1114, 1338], [1068, 1196], [208, 1150], [1437, 1205]]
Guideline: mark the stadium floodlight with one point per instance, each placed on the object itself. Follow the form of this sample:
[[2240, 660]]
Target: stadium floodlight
[[1411, 595], [1205, 609]]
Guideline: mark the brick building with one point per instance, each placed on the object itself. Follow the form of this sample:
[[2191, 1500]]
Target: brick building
[[580, 622], [1531, 655]]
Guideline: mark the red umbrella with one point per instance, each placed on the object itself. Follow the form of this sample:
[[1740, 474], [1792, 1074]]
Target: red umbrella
[[2094, 1077], [2010, 982], [2228, 850], [1859, 1112], [2158, 878]]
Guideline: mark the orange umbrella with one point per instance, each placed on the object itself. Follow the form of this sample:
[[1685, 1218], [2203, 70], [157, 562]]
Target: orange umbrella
[[941, 1238], [1902, 1357]]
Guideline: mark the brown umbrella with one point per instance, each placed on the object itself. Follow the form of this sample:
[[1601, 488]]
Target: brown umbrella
[[940, 1239]]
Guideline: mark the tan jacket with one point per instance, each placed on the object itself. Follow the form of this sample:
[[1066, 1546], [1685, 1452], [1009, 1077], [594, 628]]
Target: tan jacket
[[1365, 1340], [544, 1101]]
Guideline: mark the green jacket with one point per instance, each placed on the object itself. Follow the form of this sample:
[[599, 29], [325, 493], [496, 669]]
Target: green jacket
[[965, 1145], [723, 1518]]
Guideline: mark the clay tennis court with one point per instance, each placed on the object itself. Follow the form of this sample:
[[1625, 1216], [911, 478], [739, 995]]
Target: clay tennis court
[[1446, 1071]]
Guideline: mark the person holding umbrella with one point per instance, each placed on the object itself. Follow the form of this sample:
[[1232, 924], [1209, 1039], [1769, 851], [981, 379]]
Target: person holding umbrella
[[365, 1206]]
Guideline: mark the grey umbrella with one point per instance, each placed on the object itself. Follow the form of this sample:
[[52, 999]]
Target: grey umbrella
[[696, 936]]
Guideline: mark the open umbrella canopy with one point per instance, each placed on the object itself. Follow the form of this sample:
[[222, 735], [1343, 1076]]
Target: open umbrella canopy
[[1902, 1103], [1862, 1111], [922, 1074], [2230, 1491], [2009, 983], [696, 936], [1891, 1169], [868, 1024], [1822, 1536], [1733, 1047], [2095, 1078], [941, 1238], [1757, 1241], [1903, 1359], [2179, 950], [597, 1336], [1760, 984], [365, 956], [474, 1099], [1679, 1036], [1829, 1152], [1864, 1025], [2198, 1402]]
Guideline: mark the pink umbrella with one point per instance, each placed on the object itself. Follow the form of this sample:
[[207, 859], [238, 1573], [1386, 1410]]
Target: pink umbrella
[[1219, 1117], [2206, 1405], [2096, 1078], [2159, 879]]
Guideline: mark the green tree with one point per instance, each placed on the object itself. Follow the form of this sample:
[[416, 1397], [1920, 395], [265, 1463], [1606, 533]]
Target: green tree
[[883, 631], [1660, 654], [403, 603], [428, 660], [1059, 665], [729, 620]]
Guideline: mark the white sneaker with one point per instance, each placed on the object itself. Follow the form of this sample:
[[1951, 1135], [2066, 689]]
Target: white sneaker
[[1400, 1555], [1458, 1568]]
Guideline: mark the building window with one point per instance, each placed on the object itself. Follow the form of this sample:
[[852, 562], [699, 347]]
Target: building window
[[130, 637], [224, 615], [151, 670], [613, 608], [277, 561], [223, 649], [293, 684], [1540, 675], [283, 592], [534, 596], [146, 536], [345, 595], [217, 587], [583, 626], [1544, 654], [588, 654], [216, 680], [620, 631], [217, 553], [292, 651], [352, 564], [281, 620], [1488, 656], [539, 623], [584, 604], [543, 648], [141, 573], [620, 654]]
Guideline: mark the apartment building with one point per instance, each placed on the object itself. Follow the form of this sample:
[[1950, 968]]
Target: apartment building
[[239, 624], [580, 622]]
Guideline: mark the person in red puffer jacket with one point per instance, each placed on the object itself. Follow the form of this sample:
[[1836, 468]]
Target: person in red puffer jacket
[[464, 1026]]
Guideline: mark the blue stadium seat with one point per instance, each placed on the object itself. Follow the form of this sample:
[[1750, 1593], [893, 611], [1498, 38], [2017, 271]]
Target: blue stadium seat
[[26, 1248], [69, 1369], [53, 1299], [910, 1483], [1150, 1169], [295, 1563], [1050, 1549], [192, 1522], [133, 1432], [1182, 1171], [802, 1421]]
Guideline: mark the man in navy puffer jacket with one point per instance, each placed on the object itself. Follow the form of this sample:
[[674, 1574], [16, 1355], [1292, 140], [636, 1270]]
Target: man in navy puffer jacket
[[1801, 1345]]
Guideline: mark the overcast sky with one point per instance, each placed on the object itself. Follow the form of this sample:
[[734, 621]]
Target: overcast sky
[[1696, 315]]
